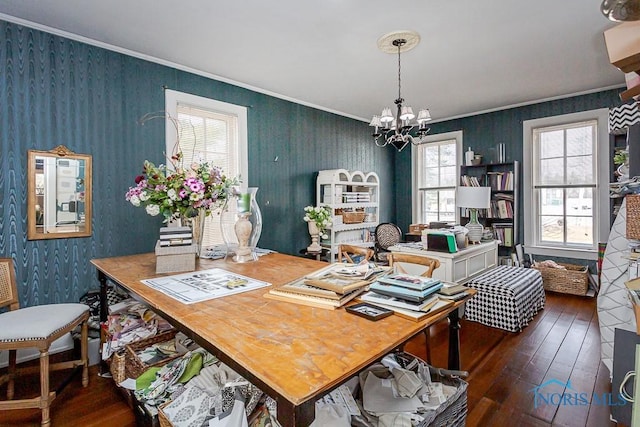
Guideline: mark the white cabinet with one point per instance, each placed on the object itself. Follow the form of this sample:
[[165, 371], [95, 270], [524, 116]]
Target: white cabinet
[[353, 199]]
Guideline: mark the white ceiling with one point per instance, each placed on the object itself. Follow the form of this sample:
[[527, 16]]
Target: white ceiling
[[474, 56]]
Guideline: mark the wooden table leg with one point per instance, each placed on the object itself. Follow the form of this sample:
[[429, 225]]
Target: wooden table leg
[[454, 340], [290, 415], [104, 312]]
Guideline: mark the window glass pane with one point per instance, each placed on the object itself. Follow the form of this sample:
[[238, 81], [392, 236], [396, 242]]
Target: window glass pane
[[580, 230], [431, 177], [447, 205], [551, 201], [580, 201], [448, 154], [551, 171], [431, 156], [580, 141], [551, 229], [448, 176], [551, 144], [430, 205], [579, 170]]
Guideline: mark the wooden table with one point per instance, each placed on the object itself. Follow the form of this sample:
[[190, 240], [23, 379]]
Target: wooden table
[[294, 353]]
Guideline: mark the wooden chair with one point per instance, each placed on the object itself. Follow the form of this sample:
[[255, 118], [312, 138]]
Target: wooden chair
[[397, 261], [347, 252], [37, 327]]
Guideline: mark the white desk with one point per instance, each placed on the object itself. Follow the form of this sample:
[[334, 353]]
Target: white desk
[[460, 266]]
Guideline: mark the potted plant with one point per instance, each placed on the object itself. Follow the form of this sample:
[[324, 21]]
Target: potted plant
[[318, 219]]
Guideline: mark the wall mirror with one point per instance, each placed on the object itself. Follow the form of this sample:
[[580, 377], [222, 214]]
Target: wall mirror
[[59, 194]]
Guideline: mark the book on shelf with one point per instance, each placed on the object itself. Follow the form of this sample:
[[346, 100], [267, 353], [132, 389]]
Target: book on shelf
[[376, 298], [469, 181], [417, 316], [277, 293], [404, 293]]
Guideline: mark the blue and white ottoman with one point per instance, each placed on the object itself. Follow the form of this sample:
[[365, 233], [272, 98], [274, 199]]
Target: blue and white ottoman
[[508, 297]]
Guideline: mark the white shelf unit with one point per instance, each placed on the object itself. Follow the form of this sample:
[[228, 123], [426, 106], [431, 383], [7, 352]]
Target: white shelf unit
[[340, 189]]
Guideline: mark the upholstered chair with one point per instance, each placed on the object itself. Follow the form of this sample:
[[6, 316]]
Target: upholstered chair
[[36, 327], [386, 235]]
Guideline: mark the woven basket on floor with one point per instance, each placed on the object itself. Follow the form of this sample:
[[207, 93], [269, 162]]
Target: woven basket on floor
[[134, 366], [117, 366], [573, 279], [162, 417], [633, 216]]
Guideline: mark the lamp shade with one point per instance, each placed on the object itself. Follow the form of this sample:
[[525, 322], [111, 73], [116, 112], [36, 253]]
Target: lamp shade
[[386, 115], [473, 197]]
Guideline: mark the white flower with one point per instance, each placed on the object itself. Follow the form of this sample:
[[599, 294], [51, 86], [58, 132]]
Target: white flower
[[143, 196], [153, 210], [135, 200], [172, 194]]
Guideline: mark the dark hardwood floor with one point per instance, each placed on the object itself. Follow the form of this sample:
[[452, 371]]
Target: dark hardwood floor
[[562, 342]]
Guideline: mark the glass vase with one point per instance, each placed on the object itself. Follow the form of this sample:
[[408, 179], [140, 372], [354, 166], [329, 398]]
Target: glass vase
[[197, 229], [239, 212]]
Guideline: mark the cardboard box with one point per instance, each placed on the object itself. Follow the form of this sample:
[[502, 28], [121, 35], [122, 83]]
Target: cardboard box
[[623, 46], [417, 228]]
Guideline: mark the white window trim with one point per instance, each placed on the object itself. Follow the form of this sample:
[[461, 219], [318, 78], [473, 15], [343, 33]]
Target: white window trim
[[602, 186], [172, 98], [457, 135]]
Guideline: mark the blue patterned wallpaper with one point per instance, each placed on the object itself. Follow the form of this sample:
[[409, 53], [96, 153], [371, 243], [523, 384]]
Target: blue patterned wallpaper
[[58, 91]]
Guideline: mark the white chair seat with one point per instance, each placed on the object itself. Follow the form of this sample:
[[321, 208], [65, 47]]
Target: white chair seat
[[38, 322]]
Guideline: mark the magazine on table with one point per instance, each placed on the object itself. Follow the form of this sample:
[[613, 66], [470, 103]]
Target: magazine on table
[[310, 300], [417, 316], [336, 277], [402, 292], [410, 281], [376, 298]]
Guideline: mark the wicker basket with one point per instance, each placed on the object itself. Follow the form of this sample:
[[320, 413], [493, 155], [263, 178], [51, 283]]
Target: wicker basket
[[573, 279], [352, 217], [134, 366], [117, 366], [633, 216], [163, 421], [453, 412]]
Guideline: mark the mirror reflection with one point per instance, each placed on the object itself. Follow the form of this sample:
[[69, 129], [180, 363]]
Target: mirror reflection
[[59, 199]]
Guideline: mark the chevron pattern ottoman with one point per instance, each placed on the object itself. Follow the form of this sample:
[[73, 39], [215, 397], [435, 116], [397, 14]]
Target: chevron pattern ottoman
[[508, 297]]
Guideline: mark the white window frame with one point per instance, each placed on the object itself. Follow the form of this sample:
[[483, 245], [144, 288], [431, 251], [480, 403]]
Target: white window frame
[[174, 98], [601, 191], [415, 167]]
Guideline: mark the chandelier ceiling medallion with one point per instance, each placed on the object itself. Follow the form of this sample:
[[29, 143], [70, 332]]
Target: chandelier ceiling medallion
[[397, 130]]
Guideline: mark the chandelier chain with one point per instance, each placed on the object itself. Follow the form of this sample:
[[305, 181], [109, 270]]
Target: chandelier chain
[[399, 75]]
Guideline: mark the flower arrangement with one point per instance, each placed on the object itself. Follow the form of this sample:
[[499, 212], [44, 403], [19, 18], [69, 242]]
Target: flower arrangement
[[321, 215], [181, 192]]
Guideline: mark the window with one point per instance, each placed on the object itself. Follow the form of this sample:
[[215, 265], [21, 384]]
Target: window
[[435, 176], [564, 204], [208, 130]]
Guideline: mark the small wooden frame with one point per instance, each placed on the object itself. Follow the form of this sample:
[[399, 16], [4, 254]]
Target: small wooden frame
[[369, 311]]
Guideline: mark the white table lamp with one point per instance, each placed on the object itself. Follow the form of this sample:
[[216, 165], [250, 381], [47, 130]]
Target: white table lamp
[[473, 198]]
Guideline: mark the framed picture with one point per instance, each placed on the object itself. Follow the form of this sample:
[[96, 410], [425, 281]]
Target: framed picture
[[369, 311]]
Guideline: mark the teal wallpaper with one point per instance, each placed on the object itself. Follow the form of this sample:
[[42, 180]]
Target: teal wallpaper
[[58, 91], [483, 132]]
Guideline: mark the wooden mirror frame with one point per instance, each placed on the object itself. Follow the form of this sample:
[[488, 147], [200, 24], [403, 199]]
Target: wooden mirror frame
[[36, 231]]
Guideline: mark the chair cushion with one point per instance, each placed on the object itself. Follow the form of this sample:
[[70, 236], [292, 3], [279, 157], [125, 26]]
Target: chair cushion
[[39, 321]]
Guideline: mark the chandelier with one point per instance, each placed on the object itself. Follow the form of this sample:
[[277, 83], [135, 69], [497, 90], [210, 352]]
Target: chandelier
[[397, 130]]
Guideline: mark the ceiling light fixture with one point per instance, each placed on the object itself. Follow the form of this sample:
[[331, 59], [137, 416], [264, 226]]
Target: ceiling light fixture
[[397, 130]]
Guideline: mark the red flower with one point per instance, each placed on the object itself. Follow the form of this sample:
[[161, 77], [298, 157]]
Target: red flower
[[139, 178]]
